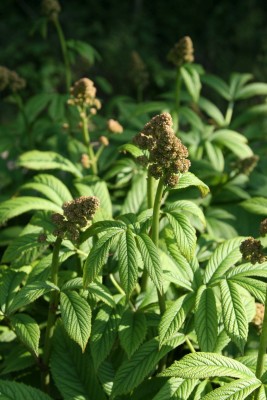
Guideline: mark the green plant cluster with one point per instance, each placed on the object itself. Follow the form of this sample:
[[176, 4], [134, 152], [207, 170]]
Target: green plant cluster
[[133, 237]]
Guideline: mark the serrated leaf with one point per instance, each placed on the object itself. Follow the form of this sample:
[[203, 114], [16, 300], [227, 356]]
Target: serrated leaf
[[204, 365], [256, 287], [251, 90], [128, 268], [256, 205], [51, 187], [136, 195], [132, 372], [44, 160], [17, 206], [76, 317], [206, 324], [234, 313], [224, 257], [189, 207], [237, 390], [176, 388], [184, 265], [27, 330], [234, 141], [72, 370], [132, 331], [211, 110], [9, 285], [132, 149], [18, 359], [30, 293], [10, 390], [174, 316], [188, 179], [101, 292], [101, 226], [104, 332], [23, 250], [184, 233], [98, 257], [150, 257]]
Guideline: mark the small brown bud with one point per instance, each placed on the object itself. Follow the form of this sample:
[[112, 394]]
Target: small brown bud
[[85, 161], [42, 238], [182, 52], [51, 9], [252, 250], [114, 126], [259, 316], [104, 140], [263, 227]]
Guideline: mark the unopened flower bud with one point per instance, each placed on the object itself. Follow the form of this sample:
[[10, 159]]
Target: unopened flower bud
[[104, 140], [114, 126], [51, 9], [182, 52], [259, 316]]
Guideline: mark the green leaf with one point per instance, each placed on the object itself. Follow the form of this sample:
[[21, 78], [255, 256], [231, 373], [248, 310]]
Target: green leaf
[[188, 207], [51, 187], [72, 370], [215, 156], [76, 317], [136, 195], [132, 149], [176, 388], [9, 285], [98, 256], [188, 179], [237, 390], [17, 359], [19, 205], [84, 49], [128, 268], [43, 160], [150, 257], [36, 104], [29, 294], [132, 331], [234, 313], [256, 205], [251, 90], [250, 114], [23, 250], [253, 286], [101, 292], [205, 365], [212, 111], [57, 106], [192, 82], [191, 117], [10, 390], [234, 141], [237, 82], [217, 84], [101, 226], [174, 316], [132, 372], [224, 257], [104, 333], [206, 324], [27, 330], [184, 233]]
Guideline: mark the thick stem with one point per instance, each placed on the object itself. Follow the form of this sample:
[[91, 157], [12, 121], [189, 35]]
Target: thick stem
[[87, 142], [53, 305], [155, 235], [64, 53]]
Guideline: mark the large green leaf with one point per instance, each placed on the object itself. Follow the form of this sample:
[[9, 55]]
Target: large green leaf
[[10, 390], [98, 256], [30, 293], [44, 160], [23, 250], [217, 84], [132, 149], [212, 111], [224, 257], [251, 90], [188, 179], [174, 316], [256, 205], [234, 313], [9, 285], [104, 332], [27, 330], [184, 233], [51, 187], [176, 388], [128, 267], [136, 195], [132, 372], [237, 390], [76, 317], [150, 257], [72, 370], [215, 155], [19, 205], [188, 207], [254, 286], [234, 141], [102, 226], [206, 324], [192, 82], [205, 365], [132, 331]]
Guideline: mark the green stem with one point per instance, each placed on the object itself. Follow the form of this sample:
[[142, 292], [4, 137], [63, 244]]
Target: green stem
[[155, 235], [150, 191], [87, 142], [229, 113], [64, 53], [120, 290], [189, 344], [99, 152], [53, 305]]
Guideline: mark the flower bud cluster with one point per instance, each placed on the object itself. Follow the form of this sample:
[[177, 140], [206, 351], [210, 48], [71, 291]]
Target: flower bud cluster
[[167, 154], [51, 9], [138, 71], [252, 250], [182, 52], [76, 215], [114, 126], [10, 79], [83, 95]]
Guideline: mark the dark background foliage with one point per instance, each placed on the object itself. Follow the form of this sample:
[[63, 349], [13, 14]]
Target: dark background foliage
[[228, 36]]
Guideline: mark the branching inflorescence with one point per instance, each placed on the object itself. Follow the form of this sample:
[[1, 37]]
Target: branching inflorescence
[[167, 155]]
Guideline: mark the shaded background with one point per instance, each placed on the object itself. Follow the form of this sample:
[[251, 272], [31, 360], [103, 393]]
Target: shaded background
[[228, 36]]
